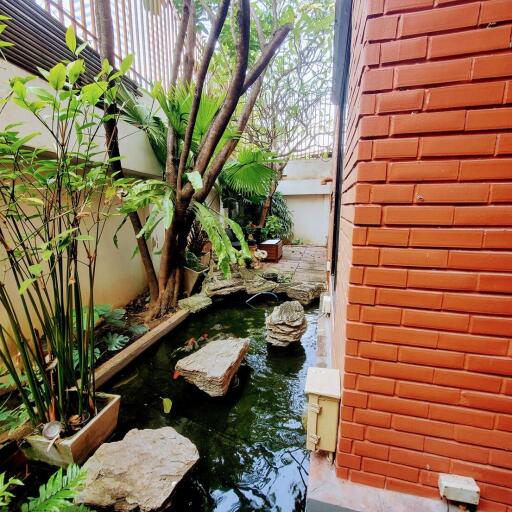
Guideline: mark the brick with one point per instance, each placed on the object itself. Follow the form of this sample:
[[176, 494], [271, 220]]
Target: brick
[[500, 458], [480, 260], [438, 20], [498, 239], [489, 119], [418, 215], [431, 258], [424, 171], [482, 473], [428, 122], [351, 348], [497, 10], [458, 70], [388, 236], [409, 298], [487, 364], [435, 320], [402, 371], [381, 315], [501, 193], [371, 54], [504, 144], [491, 325], [471, 41], [473, 344], [354, 399], [345, 445], [376, 385], [501, 494], [508, 93], [377, 80], [454, 145], [467, 380], [367, 104], [489, 66], [407, 5], [364, 150], [357, 331], [347, 413], [461, 416], [395, 148], [436, 358], [478, 303], [388, 469], [357, 365], [428, 393], [380, 29], [504, 423], [371, 171], [456, 451], [374, 126], [367, 215], [352, 431], [356, 275], [464, 95], [487, 402], [400, 101], [359, 235], [385, 277], [341, 472], [348, 460], [375, 451], [365, 256], [471, 170], [392, 194], [483, 216], [353, 311], [404, 336], [419, 460], [441, 280], [455, 193], [360, 477], [496, 283], [422, 426], [375, 418], [409, 49], [361, 295], [376, 7], [399, 406], [411, 488]]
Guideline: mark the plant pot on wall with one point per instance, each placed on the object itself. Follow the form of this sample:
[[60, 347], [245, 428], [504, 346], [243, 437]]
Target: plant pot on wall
[[76, 448]]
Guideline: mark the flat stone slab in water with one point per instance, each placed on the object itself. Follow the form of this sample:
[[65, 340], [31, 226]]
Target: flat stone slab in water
[[140, 472], [213, 366], [195, 303], [286, 324], [304, 292]]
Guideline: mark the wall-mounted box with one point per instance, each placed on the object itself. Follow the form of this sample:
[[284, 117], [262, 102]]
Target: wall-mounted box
[[324, 392]]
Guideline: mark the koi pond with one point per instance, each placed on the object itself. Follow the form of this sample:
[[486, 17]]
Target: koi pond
[[252, 441]]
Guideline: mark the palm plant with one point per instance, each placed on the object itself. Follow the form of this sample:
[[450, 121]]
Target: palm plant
[[53, 210]]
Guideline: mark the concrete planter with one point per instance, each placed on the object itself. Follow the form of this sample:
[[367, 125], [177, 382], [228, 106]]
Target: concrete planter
[[77, 448], [191, 279]]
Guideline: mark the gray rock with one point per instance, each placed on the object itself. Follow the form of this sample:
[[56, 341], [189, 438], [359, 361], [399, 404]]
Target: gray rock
[[139, 472], [259, 285], [195, 303], [223, 287], [286, 324], [213, 366], [305, 293]]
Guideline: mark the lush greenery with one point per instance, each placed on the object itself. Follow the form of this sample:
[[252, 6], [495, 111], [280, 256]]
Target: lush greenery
[[54, 203]]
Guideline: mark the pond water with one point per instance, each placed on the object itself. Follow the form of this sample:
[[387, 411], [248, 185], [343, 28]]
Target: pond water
[[251, 442]]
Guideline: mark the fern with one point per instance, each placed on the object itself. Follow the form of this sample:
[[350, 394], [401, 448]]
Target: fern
[[115, 341], [5, 494], [59, 492]]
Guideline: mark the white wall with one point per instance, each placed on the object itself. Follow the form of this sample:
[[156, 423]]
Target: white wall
[[307, 198]]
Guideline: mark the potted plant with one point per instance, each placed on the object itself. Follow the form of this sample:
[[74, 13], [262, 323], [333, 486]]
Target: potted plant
[[54, 203]]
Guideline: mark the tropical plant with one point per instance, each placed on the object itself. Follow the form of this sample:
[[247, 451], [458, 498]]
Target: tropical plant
[[6, 495], [115, 341], [200, 139], [54, 203]]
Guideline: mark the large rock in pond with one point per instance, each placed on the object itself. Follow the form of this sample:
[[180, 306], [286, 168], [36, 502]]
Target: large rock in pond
[[286, 324], [138, 473], [304, 292], [213, 366]]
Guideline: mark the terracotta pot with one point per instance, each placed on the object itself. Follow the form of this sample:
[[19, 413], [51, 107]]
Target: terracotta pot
[[78, 447]]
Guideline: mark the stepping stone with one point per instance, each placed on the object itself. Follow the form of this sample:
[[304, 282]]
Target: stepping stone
[[213, 366], [286, 324], [138, 473], [195, 303], [305, 292]]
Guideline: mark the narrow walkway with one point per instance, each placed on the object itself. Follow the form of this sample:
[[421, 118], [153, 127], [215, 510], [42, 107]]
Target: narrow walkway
[[306, 263]]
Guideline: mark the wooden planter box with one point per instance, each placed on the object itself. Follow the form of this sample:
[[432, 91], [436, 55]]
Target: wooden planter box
[[77, 448], [274, 249]]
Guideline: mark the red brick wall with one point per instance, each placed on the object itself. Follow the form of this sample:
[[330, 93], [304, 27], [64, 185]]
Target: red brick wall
[[424, 287]]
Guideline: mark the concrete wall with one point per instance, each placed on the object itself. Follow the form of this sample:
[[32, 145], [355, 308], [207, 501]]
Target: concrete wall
[[424, 283], [307, 198]]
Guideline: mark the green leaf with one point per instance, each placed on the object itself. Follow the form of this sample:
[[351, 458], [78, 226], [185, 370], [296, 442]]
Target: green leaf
[[126, 63], [167, 405], [195, 179], [25, 285], [91, 93], [115, 341], [57, 76], [36, 269], [71, 38], [75, 69]]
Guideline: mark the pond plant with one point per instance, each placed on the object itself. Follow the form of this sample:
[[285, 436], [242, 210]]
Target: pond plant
[[56, 195]]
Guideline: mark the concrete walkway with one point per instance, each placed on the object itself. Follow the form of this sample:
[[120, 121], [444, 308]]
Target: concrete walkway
[[305, 263]]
